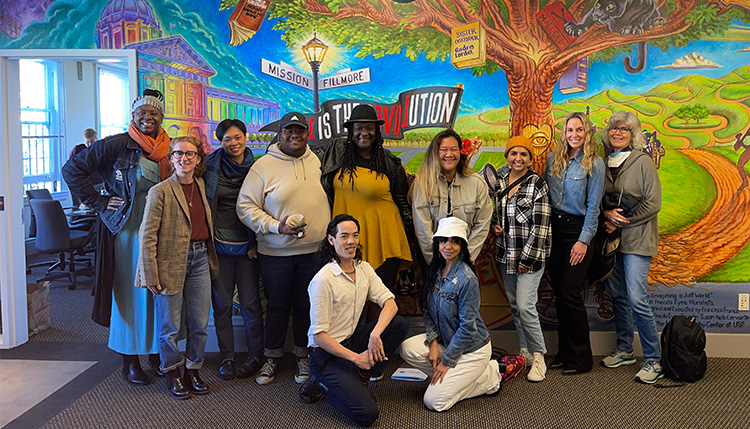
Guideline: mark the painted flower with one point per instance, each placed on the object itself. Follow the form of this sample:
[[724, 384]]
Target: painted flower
[[466, 147]]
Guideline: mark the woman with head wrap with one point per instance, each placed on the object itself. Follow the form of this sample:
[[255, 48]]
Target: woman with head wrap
[[130, 164]]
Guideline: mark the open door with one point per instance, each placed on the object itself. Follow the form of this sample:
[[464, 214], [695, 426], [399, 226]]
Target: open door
[[14, 165]]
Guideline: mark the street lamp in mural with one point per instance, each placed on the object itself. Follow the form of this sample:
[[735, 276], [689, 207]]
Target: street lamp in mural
[[315, 52]]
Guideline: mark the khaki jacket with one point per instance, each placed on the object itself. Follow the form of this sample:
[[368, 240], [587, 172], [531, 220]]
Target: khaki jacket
[[165, 237]]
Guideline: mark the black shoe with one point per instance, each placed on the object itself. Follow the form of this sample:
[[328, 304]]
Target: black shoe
[[193, 381], [132, 371], [556, 365], [312, 391], [226, 370], [155, 364], [176, 386], [248, 368]]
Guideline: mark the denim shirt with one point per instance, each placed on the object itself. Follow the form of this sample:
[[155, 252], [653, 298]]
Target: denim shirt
[[452, 314], [577, 193], [117, 159]]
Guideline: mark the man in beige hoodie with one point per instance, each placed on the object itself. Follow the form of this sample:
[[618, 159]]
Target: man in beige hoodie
[[283, 201]]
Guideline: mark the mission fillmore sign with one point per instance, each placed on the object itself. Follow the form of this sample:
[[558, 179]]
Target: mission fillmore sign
[[288, 73]]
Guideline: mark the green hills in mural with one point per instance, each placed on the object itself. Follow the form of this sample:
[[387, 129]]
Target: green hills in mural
[[727, 98]]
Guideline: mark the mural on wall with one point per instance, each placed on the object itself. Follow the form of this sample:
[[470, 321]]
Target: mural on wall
[[681, 65]]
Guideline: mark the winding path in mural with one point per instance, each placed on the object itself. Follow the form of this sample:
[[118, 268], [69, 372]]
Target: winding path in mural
[[717, 237]]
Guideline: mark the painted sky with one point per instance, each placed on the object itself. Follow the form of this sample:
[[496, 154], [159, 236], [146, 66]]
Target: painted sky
[[206, 29]]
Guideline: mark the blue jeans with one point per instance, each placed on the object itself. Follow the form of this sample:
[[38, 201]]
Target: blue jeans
[[627, 286], [195, 296], [285, 282], [522, 296], [242, 272], [342, 378]]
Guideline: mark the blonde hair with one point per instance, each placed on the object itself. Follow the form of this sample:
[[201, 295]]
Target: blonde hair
[[560, 155], [429, 171], [89, 133], [637, 140], [200, 167]]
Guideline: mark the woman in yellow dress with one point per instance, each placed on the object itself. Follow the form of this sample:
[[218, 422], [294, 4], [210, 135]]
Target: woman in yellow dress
[[365, 180]]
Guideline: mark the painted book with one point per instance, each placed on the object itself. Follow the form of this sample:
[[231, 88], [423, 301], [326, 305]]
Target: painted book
[[552, 19], [576, 78], [246, 19]]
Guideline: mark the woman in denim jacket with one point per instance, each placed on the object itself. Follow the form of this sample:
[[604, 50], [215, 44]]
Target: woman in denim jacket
[[575, 176], [130, 164], [456, 348]]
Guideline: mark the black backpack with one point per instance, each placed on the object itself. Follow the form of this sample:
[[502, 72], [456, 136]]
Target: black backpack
[[683, 343]]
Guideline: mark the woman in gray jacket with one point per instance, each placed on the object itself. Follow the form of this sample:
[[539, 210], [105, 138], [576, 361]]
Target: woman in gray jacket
[[632, 175], [445, 186]]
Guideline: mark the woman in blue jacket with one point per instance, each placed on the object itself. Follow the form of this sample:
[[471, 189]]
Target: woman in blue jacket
[[456, 348], [235, 244], [575, 176]]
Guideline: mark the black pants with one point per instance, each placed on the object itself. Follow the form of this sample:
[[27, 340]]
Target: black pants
[[574, 346], [345, 391]]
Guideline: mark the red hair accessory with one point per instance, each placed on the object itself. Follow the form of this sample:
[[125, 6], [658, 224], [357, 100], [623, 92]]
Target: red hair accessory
[[466, 148]]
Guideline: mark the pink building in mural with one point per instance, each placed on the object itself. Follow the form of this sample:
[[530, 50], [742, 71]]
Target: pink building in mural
[[124, 22], [173, 67]]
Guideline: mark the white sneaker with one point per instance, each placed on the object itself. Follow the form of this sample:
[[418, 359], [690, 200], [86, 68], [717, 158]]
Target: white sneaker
[[538, 369], [528, 357], [650, 372]]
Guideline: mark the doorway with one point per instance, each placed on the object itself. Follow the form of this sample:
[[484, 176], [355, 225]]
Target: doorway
[[12, 232]]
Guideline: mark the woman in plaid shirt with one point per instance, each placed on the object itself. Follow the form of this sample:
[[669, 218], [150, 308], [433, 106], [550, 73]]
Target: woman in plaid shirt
[[522, 223]]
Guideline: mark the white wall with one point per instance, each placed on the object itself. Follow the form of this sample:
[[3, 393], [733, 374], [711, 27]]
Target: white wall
[[80, 102]]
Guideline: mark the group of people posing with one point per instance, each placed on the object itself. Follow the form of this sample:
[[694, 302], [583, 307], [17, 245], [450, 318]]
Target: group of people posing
[[328, 229]]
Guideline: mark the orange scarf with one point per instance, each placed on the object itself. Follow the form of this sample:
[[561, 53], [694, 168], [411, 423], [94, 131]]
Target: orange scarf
[[156, 150]]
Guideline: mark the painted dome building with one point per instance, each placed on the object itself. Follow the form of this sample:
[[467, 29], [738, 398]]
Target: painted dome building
[[124, 22]]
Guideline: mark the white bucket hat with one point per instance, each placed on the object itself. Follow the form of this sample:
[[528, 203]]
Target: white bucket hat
[[452, 227]]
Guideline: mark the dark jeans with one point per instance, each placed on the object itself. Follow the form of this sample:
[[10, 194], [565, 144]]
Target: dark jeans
[[574, 346], [345, 391], [388, 272], [242, 272], [285, 281]]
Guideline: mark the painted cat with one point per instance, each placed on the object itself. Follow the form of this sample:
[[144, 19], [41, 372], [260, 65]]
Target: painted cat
[[621, 16]]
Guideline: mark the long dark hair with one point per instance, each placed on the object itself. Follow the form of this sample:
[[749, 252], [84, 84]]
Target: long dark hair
[[226, 124], [326, 250], [437, 264], [349, 161]]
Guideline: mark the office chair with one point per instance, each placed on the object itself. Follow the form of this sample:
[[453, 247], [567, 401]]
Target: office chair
[[54, 236]]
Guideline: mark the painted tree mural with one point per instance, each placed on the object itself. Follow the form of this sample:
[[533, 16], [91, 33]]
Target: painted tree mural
[[516, 43]]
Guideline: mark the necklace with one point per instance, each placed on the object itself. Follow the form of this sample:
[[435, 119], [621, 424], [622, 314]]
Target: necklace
[[192, 188], [350, 272]]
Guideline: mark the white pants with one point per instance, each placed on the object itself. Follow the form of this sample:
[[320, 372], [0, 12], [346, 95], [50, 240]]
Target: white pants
[[475, 374]]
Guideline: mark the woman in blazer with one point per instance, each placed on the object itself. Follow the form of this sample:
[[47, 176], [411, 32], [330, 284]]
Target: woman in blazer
[[176, 263]]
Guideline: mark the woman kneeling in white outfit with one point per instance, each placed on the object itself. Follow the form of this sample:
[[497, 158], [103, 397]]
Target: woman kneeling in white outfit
[[456, 348]]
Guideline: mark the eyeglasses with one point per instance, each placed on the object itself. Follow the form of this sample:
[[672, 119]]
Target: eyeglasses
[[619, 129], [189, 154], [294, 131]]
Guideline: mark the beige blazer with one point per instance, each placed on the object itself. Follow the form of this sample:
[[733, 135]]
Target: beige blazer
[[165, 237]]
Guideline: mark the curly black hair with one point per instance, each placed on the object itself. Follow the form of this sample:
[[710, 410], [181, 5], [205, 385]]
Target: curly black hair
[[326, 250], [349, 161], [436, 266]]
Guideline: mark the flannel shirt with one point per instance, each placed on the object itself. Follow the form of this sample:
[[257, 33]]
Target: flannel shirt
[[525, 218]]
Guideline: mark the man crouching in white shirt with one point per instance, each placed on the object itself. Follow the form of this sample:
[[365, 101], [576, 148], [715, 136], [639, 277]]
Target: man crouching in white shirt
[[342, 353]]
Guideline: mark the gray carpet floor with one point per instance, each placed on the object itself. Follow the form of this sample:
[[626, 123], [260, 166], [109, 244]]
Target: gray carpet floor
[[100, 398]]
